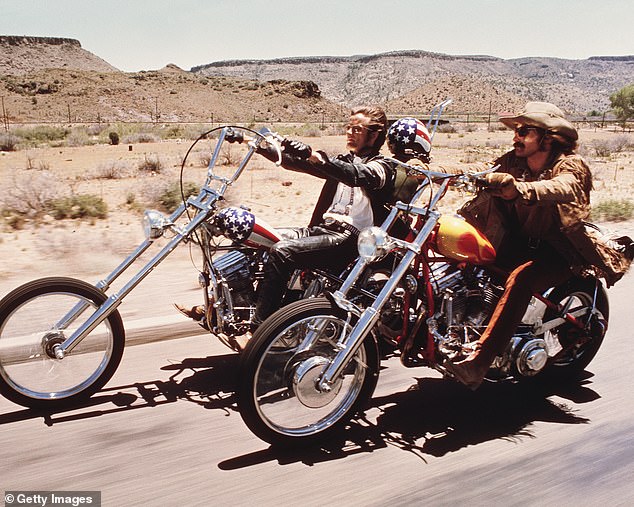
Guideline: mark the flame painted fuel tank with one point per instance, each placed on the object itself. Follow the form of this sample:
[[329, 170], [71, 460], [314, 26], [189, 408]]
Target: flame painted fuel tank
[[457, 239]]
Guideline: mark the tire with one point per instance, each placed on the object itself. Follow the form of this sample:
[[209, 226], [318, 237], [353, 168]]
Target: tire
[[277, 402], [30, 375], [574, 348]]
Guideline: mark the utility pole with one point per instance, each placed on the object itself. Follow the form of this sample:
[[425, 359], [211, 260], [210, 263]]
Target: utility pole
[[5, 120], [489, 119]]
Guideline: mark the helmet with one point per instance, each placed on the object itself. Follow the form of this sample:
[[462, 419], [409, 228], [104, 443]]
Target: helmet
[[409, 136]]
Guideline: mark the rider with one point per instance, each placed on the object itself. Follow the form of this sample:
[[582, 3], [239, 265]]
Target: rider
[[409, 141], [357, 186], [533, 213]]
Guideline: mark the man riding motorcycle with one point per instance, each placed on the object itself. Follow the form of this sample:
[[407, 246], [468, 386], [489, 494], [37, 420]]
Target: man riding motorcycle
[[357, 186], [533, 214]]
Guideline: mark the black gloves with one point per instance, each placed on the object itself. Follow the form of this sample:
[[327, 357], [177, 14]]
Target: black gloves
[[233, 136], [297, 149]]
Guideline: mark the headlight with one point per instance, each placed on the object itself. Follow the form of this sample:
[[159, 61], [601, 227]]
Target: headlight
[[154, 223], [373, 243]]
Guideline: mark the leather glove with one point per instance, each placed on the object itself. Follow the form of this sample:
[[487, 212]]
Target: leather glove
[[501, 185], [234, 136], [297, 149]]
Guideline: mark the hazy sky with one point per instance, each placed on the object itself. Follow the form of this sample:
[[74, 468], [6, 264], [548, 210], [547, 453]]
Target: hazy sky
[[137, 35]]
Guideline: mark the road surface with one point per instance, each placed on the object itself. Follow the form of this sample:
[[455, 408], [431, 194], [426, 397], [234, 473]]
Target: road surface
[[165, 431]]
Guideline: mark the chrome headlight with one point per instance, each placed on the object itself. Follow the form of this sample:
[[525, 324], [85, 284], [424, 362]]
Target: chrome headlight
[[373, 243], [154, 224]]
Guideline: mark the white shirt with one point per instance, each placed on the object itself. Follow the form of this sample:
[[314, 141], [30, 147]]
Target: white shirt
[[351, 205]]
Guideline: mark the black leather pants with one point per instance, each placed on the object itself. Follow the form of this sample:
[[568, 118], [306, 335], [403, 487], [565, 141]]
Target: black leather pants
[[303, 247]]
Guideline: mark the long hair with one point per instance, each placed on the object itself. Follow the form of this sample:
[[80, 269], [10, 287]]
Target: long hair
[[377, 123], [562, 144]]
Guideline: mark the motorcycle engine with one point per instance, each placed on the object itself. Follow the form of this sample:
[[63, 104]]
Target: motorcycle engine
[[236, 272], [526, 356], [466, 297]]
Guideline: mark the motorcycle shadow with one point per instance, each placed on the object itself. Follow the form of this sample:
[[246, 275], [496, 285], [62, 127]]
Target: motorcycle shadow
[[435, 417], [208, 382]]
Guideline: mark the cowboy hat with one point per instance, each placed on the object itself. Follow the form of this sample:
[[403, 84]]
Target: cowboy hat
[[543, 115]]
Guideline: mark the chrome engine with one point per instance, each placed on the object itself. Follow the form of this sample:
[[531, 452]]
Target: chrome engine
[[526, 356], [233, 297], [466, 299]]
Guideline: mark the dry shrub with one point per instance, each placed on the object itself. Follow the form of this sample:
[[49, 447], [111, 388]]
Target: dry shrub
[[613, 210], [9, 142], [111, 170], [30, 193], [151, 165], [78, 206], [617, 144], [141, 137]]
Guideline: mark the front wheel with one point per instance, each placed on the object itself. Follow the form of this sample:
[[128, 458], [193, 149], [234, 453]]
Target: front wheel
[[31, 324], [277, 394]]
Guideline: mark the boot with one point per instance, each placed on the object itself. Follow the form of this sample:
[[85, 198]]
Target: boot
[[196, 313], [470, 371]]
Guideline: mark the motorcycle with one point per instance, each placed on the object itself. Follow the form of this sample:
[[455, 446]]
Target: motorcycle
[[62, 339], [313, 365]]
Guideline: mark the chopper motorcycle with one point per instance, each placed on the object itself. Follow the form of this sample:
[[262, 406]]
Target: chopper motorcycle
[[313, 365], [62, 339]]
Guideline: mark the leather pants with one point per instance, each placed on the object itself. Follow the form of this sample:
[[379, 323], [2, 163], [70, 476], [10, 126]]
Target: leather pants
[[302, 247]]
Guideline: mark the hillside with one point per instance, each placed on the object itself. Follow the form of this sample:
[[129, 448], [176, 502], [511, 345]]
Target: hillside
[[56, 80], [578, 86], [23, 55], [168, 95]]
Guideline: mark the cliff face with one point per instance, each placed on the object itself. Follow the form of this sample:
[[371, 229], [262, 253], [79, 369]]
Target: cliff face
[[25, 54], [421, 77]]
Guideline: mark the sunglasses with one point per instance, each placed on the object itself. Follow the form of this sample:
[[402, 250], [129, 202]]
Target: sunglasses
[[356, 129], [524, 130]]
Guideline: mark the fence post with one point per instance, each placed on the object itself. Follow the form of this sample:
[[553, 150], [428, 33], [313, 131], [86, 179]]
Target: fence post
[[5, 119]]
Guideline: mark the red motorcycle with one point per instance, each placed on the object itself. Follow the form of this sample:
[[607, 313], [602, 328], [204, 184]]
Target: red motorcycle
[[311, 366]]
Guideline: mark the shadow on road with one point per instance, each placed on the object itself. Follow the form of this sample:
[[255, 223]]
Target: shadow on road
[[432, 417], [208, 382], [435, 417]]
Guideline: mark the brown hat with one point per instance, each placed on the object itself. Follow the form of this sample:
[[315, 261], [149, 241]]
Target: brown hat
[[543, 115]]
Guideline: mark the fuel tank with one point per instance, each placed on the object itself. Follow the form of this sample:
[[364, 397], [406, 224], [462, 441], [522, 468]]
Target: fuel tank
[[242, 226], [456, 239]]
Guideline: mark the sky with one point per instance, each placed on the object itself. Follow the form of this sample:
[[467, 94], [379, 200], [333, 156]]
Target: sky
[[134, 35]]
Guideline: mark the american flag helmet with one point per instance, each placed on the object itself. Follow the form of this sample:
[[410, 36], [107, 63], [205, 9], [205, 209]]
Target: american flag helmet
[[410, 137]]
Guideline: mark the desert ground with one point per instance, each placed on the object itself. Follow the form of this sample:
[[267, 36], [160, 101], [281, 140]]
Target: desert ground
[[91, 248]]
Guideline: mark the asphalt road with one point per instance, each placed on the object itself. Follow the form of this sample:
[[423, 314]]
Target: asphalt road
[[165, 431]]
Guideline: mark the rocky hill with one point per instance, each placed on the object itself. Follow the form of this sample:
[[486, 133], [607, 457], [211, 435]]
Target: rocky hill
[[416, 79], [22, 55], [56, 80]]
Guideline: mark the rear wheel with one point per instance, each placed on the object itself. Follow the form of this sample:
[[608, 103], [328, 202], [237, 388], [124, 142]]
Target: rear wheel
[[277, 394], [571, 348], [30, 317]]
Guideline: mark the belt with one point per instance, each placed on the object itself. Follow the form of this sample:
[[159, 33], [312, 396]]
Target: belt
[[336, 225]]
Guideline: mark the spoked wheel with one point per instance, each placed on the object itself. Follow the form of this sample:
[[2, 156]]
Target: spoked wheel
[[278, 395], [571, 349], [31, 324]]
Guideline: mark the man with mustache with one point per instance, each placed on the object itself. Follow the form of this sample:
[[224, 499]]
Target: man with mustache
[[533, 213]]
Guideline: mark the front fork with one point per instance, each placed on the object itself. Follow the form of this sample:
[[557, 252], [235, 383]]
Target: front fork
[[350, 343]]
